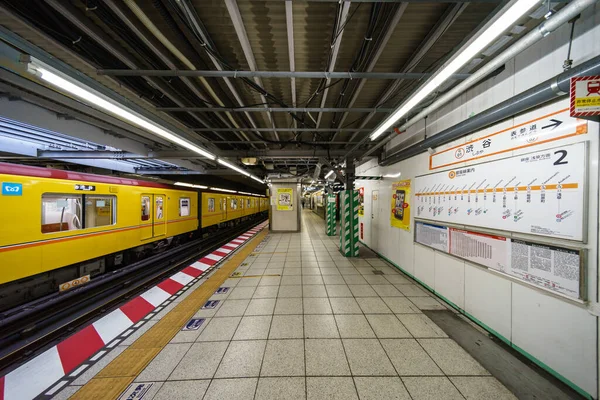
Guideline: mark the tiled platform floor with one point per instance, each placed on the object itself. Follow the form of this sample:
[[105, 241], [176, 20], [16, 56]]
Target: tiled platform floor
[[305, 322]]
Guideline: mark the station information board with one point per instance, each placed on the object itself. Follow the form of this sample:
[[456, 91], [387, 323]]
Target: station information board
[[539, 193], [555, 268]]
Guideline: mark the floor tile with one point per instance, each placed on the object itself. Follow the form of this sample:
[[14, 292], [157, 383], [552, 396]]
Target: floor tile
[[185, 336], [366, 357], [266, 292], [330, 272], [182, 390], [253, 328], [288, 306], [313, 291], [375, 279], [219, 329], [164, 363], [474, 388], [290, 291], [379, 388], [281, 389], [238, 389], [452, 358], [316, 306], [320, 326], [241, 293], [373, 305], [411, 290], [242, 359], [409, 358], [290, 280], [312, 280], [347, 271], [270, 281], [338, 290], [344, 305], [387, 326], [427, 303], [355, 280], [287, 327], [292, 272], [386, 290], [431, 388], [325, 357], [330, 389], [362, 291], [283, 358], [232, 308], [311, 271], [401, 305], [261, 307], [248, 282], [333, 280], [207, 355], [353, 326], [420, 326]]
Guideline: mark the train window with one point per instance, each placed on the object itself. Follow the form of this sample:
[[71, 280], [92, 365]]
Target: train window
[[99, 211], [211, 204], [248, 204], [233, 204], [145, 208], [159, 207], [61, 212], [184, 206], [241, 204]]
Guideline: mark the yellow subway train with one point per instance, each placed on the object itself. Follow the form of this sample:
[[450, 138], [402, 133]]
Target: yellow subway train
[[58, 225]]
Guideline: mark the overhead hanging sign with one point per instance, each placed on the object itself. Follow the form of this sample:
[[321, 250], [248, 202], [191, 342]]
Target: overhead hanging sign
[[400, 217], [554, 268], [539, 193], [585, 96], [551, 127], [284, 199]]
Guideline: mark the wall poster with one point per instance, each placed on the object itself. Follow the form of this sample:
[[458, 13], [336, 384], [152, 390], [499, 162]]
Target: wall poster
[[361, 201], [284, 199], [540, 193], [555, 268], [400, 217]]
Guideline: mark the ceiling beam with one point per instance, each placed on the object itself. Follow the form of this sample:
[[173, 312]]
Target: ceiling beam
[[338, 33], [273, 74], [273, 109], [240, 30], [432, 37], [383, 43], [396, 1], [286, 130], [289, 23]]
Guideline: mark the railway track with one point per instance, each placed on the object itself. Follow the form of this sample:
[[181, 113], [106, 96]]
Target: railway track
[[31, 328]]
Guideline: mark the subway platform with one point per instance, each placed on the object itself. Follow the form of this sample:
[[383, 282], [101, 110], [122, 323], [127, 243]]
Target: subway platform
[[288, 317]]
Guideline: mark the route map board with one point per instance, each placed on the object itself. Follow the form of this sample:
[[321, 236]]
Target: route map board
[[553, 268], [540, 193]]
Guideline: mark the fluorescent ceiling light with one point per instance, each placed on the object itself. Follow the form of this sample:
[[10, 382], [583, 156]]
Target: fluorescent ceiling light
[[483, 39], [223, 190], [190, 185], [257, 179], [233, 167], [328, 174], [95, 100], [392, 175]]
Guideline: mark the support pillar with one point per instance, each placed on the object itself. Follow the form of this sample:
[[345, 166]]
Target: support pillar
[[331, 223], [349, 223]]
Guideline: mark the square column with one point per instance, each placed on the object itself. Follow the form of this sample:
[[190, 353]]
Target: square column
[[349, 223], [331, 224]]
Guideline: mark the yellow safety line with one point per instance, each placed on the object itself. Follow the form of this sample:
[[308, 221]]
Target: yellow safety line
[[111, 381]]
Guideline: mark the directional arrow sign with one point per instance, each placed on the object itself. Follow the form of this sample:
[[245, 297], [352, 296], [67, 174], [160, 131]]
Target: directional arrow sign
[[555, 124], [535, 130]]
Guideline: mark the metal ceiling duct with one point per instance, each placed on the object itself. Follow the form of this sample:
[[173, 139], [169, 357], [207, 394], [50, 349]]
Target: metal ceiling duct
[[540, 94]]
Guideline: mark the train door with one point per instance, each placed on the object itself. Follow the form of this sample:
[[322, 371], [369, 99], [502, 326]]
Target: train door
[[147, 216], [160, 218], [223, 201]]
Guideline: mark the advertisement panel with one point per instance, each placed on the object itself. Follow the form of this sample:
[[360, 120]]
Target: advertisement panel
[[284, 199], [400, 217]]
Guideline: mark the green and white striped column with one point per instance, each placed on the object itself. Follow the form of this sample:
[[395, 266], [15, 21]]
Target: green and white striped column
[[330, 217], [349, 223]]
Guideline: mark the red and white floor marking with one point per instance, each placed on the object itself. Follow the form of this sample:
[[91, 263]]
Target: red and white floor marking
[[36, 375]]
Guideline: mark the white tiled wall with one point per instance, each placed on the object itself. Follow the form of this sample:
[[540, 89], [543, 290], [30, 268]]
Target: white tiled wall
[[560, 333]]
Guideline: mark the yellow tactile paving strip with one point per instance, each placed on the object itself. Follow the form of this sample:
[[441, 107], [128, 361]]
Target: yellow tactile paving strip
[[111, 381]]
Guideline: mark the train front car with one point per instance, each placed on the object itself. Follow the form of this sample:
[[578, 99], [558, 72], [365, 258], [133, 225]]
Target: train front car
[[58, 225]]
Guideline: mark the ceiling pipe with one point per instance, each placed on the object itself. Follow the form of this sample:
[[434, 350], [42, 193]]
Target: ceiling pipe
[[540, 94], [154, 47], [552, 24], [165, 42], [274, 109]]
